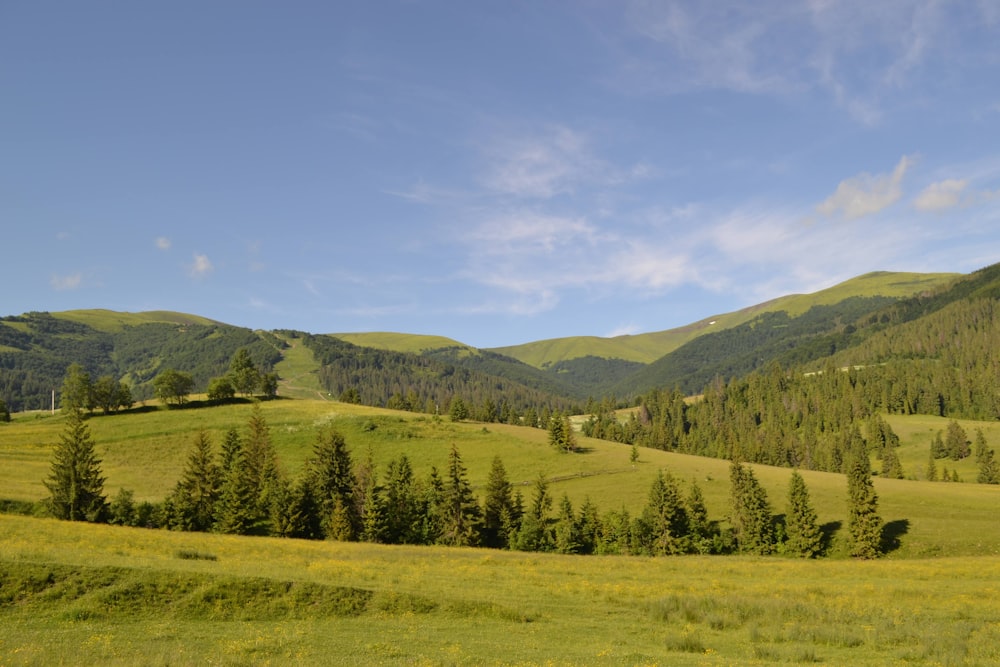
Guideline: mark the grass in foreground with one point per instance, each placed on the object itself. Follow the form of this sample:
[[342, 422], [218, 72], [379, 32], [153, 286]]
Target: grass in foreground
[[84, 594]]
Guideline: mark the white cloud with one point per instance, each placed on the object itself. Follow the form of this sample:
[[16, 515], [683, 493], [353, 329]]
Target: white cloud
[[68, 282], [941, 195], [163, 243], [200, 267], [866, 194], [541, 167]]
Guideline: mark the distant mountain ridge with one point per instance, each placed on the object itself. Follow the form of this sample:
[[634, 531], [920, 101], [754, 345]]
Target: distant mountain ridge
[[416, 371]]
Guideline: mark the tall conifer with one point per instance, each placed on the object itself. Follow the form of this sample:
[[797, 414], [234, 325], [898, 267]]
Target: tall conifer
[[75, 482]]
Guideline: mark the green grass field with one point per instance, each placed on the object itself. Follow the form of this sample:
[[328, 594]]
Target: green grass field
[[85, 594]]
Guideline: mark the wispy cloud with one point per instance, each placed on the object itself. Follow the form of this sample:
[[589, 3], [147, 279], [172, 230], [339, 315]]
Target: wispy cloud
[[941, 195], [200, 266], [540, 166], [68, 282], [866, 194], [860, 55], [163, 243]]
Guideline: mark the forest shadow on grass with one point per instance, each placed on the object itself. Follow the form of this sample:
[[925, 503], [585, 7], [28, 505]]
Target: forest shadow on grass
[[828, 531]]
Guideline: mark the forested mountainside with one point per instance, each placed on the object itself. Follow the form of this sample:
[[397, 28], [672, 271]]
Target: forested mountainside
[[37, 348], [936, 354], [430, 383]]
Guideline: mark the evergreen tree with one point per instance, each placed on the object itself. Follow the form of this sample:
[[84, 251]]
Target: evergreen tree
[[401, 503], [534, 534], [4, 411], [566, 531], [194, 499], [561, 435], [75, 481], [261, 462], [123, 511], [460, 514], [864, 523], [458, 411], [589, 527], [751, 512], [891, 466], [331, 478], [235, 511], [956, 442], [699, 527], [370, 510], [666, 517], [938, 448], [989, 469], [498, 504], [803, 536], [931, 466]]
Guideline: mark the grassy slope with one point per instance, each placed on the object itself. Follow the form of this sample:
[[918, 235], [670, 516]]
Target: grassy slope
[[146, 452], [112, 321], [649, 347], [85, 594], [398, 342]]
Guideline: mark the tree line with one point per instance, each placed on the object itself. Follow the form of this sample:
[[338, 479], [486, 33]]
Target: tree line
[[243, 490]]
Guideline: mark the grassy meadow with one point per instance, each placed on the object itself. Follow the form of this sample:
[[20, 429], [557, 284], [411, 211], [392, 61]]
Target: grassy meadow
[[85, 594]]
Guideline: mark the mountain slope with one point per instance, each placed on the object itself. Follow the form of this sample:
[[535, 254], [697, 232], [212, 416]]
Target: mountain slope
[[646, 348]]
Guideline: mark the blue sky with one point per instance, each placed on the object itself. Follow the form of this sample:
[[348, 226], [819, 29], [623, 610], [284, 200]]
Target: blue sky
[[495, 172]]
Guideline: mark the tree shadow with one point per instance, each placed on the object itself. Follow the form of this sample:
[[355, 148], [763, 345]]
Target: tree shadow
[[828, 530], [891, 534]]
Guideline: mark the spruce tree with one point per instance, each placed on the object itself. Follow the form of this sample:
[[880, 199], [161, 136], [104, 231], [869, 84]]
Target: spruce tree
[[75, 482], [566, 531], [460, 513], [534, 534], [499, 499], [235, 511], [401, 503], [864, 523], [194, 499], [989, 469], [699, 527], [666, 517], [331, 476], [750, 511], [931, 467], [804, 537]]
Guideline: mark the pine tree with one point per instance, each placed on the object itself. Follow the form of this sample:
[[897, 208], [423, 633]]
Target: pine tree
[[931, 467], [864, 523], [331, 478], [534, 534], [194, 499], [989, 469], [401, 504], [804, 537], [75, 481], [751, 512], [666, 517], [566, 531], [460, 512], [589, 527], [235, 510], [499, 499], [956, 442], [369, 510], [699, 527], [261, 468]]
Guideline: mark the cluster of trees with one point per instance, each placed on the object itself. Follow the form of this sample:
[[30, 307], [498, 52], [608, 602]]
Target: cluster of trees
[[243, 491], [776, 417], [106, 393], [431, 383], [243, 378]]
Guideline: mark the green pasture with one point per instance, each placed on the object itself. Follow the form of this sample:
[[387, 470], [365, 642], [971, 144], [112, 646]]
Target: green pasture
[[145, 451], [90, 594]]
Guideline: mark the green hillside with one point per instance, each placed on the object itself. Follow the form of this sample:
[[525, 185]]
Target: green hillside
[[112, 321], [399, 342], [646, 348]]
